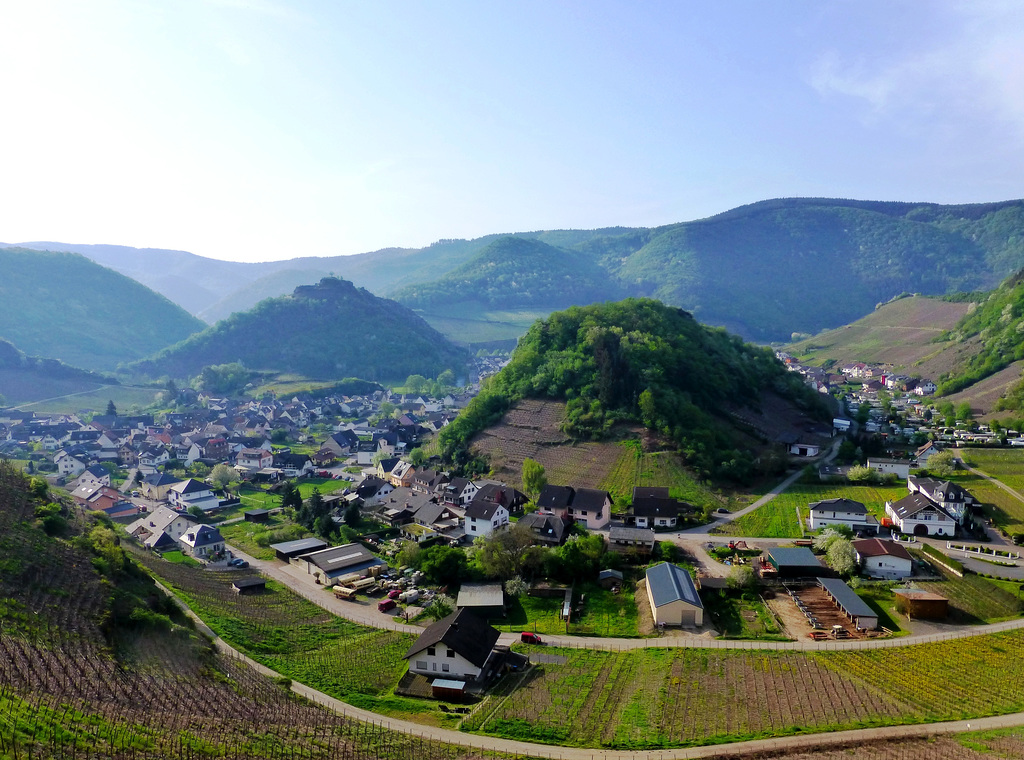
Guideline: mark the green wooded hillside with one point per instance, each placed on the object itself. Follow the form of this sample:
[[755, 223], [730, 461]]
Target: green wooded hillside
[[519, 271], [324, 331], [637, 360], [64, 306]]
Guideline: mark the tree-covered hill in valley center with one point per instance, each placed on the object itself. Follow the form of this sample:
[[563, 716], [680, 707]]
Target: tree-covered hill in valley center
[[516, 272], [639, 360], [324, 331], [64, 306]]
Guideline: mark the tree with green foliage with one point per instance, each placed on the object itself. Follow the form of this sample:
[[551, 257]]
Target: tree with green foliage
[[445, 565], [506, 553], [964, 412], [515, 587], [324, 526], [534, 477], [416, 384], [842, 557], [111, 409], [860, 474], [352, 516], [222, 475], [741, 578], [441, 606], [446, 379], [578, 559], [418, 457], [942, 464]]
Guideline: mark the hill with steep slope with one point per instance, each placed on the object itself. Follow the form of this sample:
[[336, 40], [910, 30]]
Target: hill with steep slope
[[325, 331], [64, 306], [31, 378], [640, 361]]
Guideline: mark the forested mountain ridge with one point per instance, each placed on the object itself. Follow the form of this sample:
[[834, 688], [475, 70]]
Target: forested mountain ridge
[[519, 271], [65, 306], [324, 331], [639, 360], [765, 270]]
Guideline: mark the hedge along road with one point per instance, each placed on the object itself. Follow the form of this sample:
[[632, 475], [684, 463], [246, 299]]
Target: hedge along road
[[854, 737], [368, 615]]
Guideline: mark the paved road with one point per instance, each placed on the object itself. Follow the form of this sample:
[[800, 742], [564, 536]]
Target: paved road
[[366, 614], [495, 744]]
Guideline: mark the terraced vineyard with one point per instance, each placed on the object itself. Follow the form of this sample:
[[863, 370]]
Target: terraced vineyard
[[292, 635], [532, 429], [677, 697]]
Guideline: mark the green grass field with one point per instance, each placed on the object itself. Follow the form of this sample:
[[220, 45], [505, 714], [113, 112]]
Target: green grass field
[[123, 399], [976, 600], [665, 468], [255, 538], [604, 614], [778, 518], [737, 617], [1005, 465]]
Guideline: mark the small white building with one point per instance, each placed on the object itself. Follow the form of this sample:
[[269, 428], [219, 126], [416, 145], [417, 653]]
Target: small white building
[[484, 517], [898, 467], [848, 512], [883, 559], [192, 493], [673, 596], [804, 449], [203, 541]]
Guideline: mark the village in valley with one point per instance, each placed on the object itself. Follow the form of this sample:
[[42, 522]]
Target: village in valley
[[885, 527]]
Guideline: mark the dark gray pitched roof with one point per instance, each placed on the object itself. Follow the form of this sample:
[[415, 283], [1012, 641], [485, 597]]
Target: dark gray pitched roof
[[555, 497], [849, 506], [914, 503], [590, 499], [462, 631], [670, 583], [481, 509]]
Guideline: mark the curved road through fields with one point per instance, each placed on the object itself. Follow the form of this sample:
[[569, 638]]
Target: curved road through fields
[[495, 744]]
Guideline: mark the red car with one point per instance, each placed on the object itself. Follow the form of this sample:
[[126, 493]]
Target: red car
[[394, 593], [385, 605], [527, 637]]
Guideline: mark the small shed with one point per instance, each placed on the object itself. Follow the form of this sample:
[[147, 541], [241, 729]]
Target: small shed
[[249, 585], [288, 549], [256, 515], [796, 562], [448, 689], [485, 600], [846, 599], [920, 604], [609, 578]]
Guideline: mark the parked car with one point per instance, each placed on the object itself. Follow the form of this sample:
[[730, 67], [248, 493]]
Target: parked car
[[528, 637], [238, 562], [386, 604], [394, 593]]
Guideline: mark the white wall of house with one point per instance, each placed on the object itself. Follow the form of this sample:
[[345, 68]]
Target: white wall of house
[[442, 662], [887, 567], [821, 519], [900, 469], [476, 527], [677, 613]]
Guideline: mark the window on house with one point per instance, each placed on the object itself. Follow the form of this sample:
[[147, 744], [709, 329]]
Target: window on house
[[421, 664], [450, 653], [445, 667], [434, 664], [431, 651]]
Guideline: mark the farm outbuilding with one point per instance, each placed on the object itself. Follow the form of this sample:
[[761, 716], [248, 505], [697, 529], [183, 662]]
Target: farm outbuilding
[[919, 604], [288, 549], [329, 565], [249, 585], [485, 600], [796, 562], [257, 515], [673, 596], [846, 599]]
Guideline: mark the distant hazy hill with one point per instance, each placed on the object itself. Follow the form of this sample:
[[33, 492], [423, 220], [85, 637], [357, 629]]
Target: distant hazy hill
[[323, 331], [516, 271], [30, 378], [64, 306], [765, 270]]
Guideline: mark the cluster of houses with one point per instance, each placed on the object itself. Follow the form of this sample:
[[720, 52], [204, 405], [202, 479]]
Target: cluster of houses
[[873, 377], [930, 508]]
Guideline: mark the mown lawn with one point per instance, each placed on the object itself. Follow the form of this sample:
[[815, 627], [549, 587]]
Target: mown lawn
[[255, 538], [778, 518], [973, 599], [603, 613]]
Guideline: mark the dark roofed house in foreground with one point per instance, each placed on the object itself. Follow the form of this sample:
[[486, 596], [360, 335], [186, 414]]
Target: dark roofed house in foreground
[[459, 647]]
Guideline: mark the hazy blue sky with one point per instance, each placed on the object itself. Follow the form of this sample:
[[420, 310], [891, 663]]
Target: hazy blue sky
[[257, 129]]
